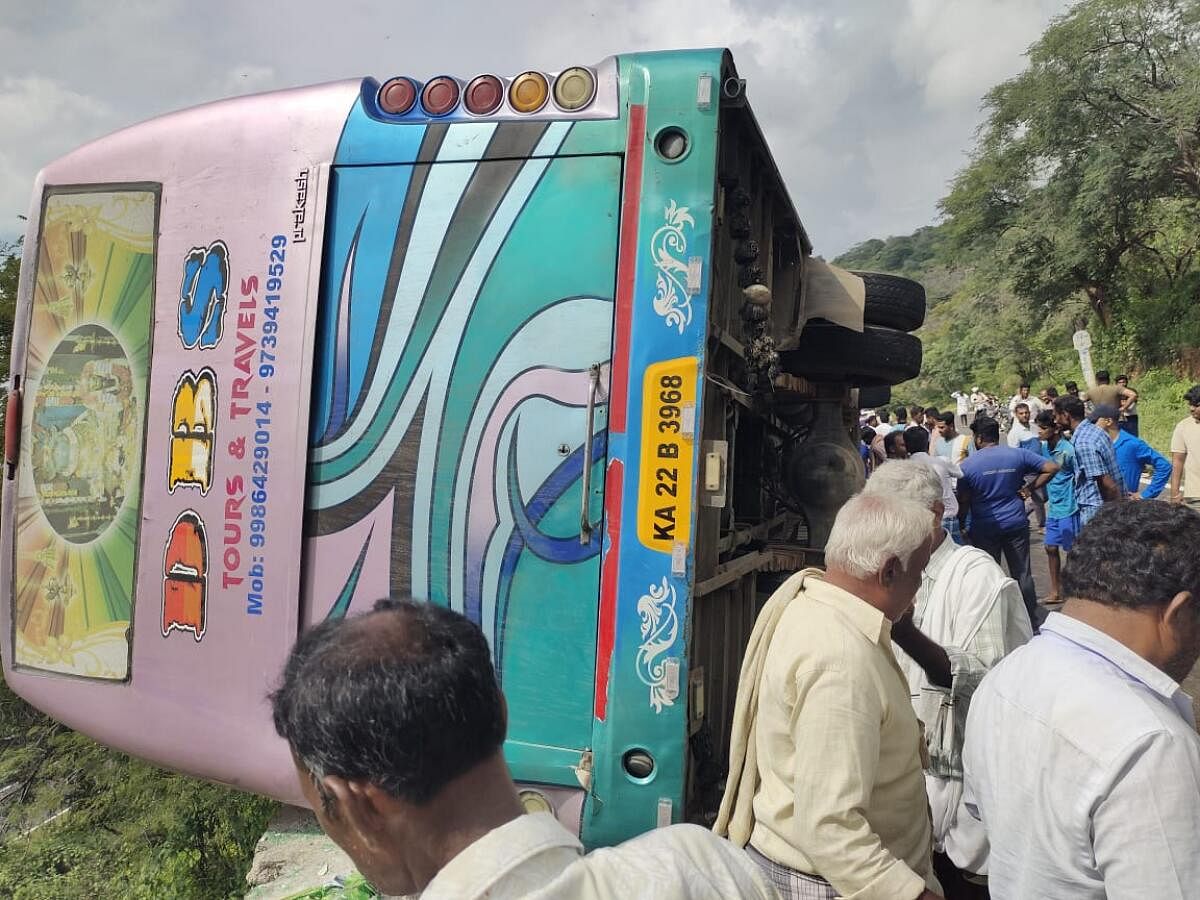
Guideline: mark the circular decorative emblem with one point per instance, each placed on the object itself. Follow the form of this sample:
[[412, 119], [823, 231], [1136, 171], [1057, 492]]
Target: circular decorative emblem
[[85, 428]]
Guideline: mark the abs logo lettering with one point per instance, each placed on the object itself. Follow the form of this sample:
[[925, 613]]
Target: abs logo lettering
[[203, 296], [185, 577], [193, 417]]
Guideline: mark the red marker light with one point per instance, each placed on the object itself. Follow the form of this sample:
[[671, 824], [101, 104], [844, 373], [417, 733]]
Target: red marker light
[[483, 95], [397, 96], [440, 95]]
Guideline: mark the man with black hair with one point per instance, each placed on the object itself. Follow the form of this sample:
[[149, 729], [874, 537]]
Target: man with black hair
[[954, 447], [1129, 412], [396, 726], [1022, 396], [1062, 509], [1104, 393], [931, 417], [991, 490], [1082, 759], [901, 417], [893, 444], [1133, 456], [1185, 454], [1098, 479]]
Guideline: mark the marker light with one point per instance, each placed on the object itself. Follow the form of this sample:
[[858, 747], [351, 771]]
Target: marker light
[[528, 92], [440, 95], [483, 95], [574, 88], [397, 96]]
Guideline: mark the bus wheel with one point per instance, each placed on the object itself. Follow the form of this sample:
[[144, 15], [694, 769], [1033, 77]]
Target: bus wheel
[[874, 397], [876, 357], [892, 301]]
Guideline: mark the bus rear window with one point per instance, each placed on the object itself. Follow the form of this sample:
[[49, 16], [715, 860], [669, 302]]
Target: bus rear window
[[83, 420]]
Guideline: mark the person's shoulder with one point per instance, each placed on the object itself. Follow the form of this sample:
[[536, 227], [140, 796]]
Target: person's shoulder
[[971, 463], [812, 635], [679, 861], [974, 564]]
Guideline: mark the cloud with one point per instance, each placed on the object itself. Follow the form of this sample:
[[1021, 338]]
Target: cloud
[[32, 108], [869, 105]]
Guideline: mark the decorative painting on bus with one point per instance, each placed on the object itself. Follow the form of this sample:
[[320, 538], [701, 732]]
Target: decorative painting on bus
[[87, 372], [459, 427]]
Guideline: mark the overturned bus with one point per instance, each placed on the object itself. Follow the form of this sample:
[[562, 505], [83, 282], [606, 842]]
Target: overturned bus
[[550, 349]]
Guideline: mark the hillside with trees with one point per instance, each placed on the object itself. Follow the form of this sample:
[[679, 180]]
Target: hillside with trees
[[1079, 208]]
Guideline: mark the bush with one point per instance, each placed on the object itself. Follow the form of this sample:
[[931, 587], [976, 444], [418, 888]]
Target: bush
[[129, 829]]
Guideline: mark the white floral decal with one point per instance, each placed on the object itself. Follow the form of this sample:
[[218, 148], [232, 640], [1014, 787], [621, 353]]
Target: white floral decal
[[668, 248], [660, 627]]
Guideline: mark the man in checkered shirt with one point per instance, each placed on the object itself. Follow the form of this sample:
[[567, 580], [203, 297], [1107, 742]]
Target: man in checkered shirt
[[1098, 480]]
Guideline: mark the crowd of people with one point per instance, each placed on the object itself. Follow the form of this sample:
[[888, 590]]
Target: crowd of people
[[908, 726]]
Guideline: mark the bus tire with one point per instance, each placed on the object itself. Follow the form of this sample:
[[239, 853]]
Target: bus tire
[[877, 357], [892, 301], [874, 397]]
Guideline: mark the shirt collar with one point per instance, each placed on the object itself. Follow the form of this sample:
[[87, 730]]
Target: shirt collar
[[1134, 666], [497, 853], [862, 614]]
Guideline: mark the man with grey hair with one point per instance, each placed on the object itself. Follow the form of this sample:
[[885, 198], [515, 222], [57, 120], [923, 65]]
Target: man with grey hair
[[968, 616], [825, 785]]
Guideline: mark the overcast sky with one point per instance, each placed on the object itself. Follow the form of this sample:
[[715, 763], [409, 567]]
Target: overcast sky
[[869, 105]]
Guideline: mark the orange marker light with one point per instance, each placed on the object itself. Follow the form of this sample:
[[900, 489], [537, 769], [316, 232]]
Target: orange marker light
[[574, 88], [528, 92]]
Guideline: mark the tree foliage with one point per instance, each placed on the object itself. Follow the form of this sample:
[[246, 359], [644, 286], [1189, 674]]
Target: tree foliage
[[1085, 180], [1079, 207], [123, 828]]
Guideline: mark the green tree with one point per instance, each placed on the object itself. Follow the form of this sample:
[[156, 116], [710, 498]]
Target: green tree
[[1087, 164]]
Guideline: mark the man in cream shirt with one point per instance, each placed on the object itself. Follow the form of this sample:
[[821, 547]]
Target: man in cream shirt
[[826, 782], [396, 725], [968, 616], [1185, 454]]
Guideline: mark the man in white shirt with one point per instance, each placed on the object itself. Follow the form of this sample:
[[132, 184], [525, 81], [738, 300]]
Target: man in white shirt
[[967, 617], [396, 725], [1022, 396], [1021, 435], [825, 777], [1082, 759], [946, 471], [962, 409]]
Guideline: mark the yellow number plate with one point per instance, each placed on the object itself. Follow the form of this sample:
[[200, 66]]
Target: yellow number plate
[[664, 513]]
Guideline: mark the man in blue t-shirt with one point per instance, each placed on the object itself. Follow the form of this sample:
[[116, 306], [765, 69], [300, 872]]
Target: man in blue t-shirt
[[1062, 508], [1133, 456], [992, 491]]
